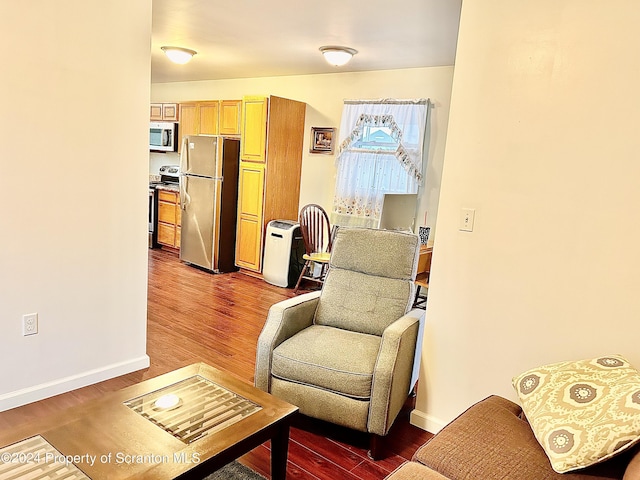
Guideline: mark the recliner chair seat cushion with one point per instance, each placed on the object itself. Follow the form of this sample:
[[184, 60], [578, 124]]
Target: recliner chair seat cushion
[[330, 358]]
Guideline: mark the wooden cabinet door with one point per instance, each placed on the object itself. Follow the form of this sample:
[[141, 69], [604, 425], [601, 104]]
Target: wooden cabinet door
[[189, 121], [250, 220], [247, 255], [166, 235], [251, 190], [155, 112], [170, 112], [167, 213], [230, 117], [254, 129], [169, 218], [163, 112], [208, 118]]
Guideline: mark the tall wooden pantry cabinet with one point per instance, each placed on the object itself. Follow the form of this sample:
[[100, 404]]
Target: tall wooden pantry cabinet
[[272, 130]]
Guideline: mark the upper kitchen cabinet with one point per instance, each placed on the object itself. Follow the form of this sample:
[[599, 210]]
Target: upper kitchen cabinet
[[199, 118], [270, 167], [254, 128], [230, 117], [209, 118], [189, 119], [164, 112]]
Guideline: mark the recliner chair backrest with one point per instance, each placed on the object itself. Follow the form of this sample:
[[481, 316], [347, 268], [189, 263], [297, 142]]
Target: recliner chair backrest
[[369, 284]]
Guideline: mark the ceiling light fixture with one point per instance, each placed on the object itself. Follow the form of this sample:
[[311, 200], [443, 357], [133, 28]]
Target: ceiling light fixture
[[337, 56], [178, 54]]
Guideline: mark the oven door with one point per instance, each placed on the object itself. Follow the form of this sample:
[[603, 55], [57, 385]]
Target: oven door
[[153, 208]]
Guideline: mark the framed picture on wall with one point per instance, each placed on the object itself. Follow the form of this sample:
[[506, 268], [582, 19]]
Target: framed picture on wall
[[322, 140]]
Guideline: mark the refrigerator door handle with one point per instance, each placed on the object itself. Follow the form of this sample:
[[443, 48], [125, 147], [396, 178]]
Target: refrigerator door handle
[[184, 197], [184, 155]]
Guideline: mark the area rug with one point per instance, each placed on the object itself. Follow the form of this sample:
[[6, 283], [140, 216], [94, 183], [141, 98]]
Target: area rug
[[235, 471]]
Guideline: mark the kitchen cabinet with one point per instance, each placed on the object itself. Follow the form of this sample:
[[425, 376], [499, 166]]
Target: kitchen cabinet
[[164, 112], [208, 118], [169, 218], [250, 203], [272, 130], [189, 120], [198, 118], [230, 117], [254, 129]]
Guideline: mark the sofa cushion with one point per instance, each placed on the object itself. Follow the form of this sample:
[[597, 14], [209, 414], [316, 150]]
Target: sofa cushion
[[582, 412], [491, 440], [633, 469], [319, 356], [414, 471]]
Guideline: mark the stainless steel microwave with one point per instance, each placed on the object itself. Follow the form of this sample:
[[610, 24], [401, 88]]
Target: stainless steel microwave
[[163, 137]]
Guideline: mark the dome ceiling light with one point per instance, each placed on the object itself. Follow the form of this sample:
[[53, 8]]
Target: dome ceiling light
[[178, 54], [337, 56]]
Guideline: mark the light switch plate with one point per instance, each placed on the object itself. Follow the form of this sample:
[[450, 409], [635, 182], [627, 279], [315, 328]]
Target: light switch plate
[[467, 217]]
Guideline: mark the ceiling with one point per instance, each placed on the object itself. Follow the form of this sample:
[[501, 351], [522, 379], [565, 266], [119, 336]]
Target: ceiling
[[257, 38]]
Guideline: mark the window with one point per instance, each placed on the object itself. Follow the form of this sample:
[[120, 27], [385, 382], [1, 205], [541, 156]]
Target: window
[[376, 139], [380, 152]]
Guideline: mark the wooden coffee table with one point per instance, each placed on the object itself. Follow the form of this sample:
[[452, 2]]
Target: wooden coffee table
[[185, 424]]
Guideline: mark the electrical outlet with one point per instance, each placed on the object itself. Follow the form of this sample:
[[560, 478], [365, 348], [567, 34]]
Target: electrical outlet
[[30, 324]]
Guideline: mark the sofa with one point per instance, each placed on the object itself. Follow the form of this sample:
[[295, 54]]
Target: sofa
[[492, 440]]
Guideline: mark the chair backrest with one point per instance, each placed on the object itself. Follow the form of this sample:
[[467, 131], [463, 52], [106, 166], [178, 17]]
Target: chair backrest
[[369, 284], [315, 228]]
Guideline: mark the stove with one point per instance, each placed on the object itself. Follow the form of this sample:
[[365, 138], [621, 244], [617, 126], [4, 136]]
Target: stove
[[169, 174]]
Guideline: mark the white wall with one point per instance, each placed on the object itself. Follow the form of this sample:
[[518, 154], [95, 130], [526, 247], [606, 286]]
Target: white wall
[[74, 98], [324, 95], [543, 143], [157, 160]]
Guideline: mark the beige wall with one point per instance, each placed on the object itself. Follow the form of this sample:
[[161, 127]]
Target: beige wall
[[74, 99], [324, 95], [543, 143]]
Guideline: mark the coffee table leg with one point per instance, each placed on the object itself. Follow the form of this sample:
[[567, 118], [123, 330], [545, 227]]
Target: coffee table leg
[[279, 450]]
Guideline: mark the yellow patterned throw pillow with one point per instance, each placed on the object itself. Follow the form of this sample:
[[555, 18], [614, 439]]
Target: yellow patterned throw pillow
[[582, 412]]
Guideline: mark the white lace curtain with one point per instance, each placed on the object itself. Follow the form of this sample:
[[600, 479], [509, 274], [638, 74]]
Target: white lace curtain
[[365, 170]]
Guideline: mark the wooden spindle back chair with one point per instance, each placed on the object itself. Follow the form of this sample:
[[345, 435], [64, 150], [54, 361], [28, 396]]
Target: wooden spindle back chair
[[316, 234]]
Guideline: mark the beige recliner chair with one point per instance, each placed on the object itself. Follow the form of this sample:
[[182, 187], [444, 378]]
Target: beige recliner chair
[[348, 354]]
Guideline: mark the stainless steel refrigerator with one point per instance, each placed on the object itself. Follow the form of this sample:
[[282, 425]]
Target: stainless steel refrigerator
[[209, 201]]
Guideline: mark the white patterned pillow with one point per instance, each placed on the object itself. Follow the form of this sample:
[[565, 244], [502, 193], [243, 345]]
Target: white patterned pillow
[[582, 412]]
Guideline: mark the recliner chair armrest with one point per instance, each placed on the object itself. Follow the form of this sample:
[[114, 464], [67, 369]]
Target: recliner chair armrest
[[284, 320], [400, 347]]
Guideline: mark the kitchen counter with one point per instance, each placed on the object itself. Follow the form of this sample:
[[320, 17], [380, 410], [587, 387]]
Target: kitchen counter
[[172, 187]]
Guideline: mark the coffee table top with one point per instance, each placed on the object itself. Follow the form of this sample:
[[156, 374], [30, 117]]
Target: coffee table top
[[140, 432]]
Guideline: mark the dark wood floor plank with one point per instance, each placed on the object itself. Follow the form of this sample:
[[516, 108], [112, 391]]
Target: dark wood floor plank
[[194, 316], [310, 461], [328, 449]]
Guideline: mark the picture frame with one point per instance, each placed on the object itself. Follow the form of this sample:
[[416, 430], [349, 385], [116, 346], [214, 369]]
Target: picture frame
[[322, 140]]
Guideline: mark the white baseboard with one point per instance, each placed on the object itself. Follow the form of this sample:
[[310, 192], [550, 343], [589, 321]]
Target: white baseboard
[[66, 384], [426, 422]]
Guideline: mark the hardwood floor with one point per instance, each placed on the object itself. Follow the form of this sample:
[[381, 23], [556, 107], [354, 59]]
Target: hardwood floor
[[194, 316]]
